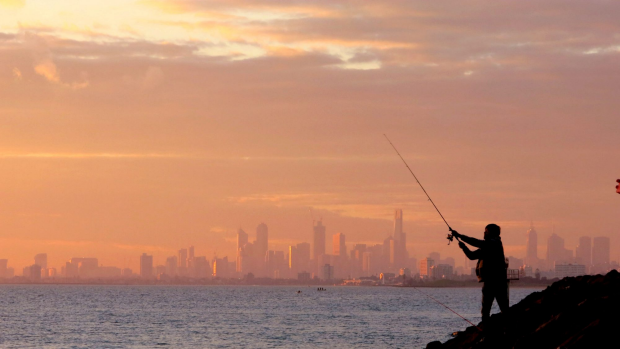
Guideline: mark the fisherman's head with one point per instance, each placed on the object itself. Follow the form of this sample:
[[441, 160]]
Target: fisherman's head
[[492, 231]]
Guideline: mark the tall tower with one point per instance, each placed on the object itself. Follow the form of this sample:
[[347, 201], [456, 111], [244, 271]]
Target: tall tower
[[41, 260], [190, 257], [398, 223], [600, 250], [146, 266], [555, 249], [262, 241], [242, 240], [318, 246], [584, 251], [3, 267], [340, 249], [398, 253], [531, 245], [182, 258]]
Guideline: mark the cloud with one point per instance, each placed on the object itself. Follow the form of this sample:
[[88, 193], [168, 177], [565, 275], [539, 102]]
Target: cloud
[[44, 63], [88, 156], [12, 3], [47, 69], [17, 74]]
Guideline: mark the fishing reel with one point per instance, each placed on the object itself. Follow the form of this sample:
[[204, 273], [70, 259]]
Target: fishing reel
[[450, 238]]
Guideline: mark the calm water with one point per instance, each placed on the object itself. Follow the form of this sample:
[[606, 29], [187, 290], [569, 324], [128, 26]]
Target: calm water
[[48, 316]]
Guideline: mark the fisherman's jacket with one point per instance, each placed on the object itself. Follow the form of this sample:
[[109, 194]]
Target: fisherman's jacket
[[492, 264]]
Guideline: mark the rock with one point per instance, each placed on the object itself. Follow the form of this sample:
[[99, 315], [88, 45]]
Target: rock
[[434, 345], [574, 312]]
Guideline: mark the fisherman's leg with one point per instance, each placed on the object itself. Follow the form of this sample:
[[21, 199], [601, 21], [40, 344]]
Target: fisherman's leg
[[487, 300], [502, 296]]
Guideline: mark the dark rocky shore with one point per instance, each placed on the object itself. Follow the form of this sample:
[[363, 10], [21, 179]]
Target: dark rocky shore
[[575, 312]]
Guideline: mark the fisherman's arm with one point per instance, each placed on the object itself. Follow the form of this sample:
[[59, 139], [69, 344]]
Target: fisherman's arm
[[469, 240], [472, 255]]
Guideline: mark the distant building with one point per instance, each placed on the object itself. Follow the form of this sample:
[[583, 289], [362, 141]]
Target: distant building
[[146, 266], [425, 267], [220, 267], [406, 272], [41, 260], [293, 259], [182, 258], [328, 272], [398, 251], [32, 272], [190, 257], [531, 254], [201, 267], [514, 262], [51, 272], [303, 256], [242, 241], [583, 252], [556, 251], [567, 269], [600, 250], [318, 238], [3, 268], [367, 263], [441, 271], [339, 246], [303, 276], [261, 245], [171, 266]]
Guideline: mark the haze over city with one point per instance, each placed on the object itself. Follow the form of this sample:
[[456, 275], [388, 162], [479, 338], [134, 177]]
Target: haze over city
[[132, 127]]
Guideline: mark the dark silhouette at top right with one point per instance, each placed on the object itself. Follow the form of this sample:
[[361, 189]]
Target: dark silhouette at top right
[[491, 268]]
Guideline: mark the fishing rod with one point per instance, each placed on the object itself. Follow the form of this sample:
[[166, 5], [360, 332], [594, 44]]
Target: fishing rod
[[450, 236]]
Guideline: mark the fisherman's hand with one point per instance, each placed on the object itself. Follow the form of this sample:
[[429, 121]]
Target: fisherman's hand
[[455, 233], [461, 245]]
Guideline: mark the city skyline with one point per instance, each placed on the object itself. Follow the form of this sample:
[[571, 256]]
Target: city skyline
[[260, 259]]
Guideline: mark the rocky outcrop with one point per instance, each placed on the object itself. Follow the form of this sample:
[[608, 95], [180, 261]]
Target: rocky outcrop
[[575, 312]]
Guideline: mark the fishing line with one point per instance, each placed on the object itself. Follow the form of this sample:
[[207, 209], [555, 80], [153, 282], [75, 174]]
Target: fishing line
[[445, 306], [449, 235]]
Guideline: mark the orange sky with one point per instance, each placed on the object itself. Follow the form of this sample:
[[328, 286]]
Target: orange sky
[[147, 126]]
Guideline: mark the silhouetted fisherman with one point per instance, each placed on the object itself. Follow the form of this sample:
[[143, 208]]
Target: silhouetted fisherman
[[491, 267]]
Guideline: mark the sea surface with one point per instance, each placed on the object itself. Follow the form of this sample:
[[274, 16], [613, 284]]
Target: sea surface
[[85, 316]]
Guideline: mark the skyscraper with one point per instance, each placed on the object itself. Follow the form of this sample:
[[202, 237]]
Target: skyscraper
[[146, 266], [182, 258], [303, 256], [318, 246], [583, 252], [262, 242], [398, 223], [340, 248], [293, 259], [398, 253], [41, 260], [556, 251], [600, 250], [190, 257], [242, 240], [171, 265], [531, 246], [3, 267]]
